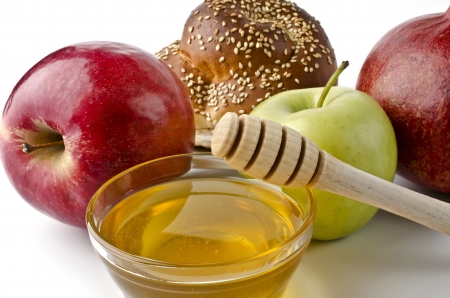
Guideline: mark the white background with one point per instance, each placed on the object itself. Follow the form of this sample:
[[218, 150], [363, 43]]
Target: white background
[[40, 257]]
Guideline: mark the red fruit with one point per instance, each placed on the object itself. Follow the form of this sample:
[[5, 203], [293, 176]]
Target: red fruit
[[408, 73], [113, 105]]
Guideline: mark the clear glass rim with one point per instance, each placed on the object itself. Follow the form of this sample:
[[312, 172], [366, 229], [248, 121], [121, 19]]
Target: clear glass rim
[[95, 234]]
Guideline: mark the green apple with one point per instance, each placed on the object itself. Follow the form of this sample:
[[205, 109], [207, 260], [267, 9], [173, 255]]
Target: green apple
[[351, 126]]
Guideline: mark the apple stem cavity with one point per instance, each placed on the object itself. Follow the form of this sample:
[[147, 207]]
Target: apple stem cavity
[[28, 148], [330, 83]]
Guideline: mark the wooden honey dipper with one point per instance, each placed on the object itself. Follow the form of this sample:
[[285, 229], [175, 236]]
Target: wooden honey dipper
[[279, 155]]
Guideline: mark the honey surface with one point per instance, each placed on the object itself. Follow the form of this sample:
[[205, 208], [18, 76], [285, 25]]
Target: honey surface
[[201, 221]]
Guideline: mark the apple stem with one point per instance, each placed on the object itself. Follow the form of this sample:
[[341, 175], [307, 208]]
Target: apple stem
[[331, 82], [28, 148]]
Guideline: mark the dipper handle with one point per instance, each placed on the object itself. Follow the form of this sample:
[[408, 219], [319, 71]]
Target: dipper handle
[[279, 155]]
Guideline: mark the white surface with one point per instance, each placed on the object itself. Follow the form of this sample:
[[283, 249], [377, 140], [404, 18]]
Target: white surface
[[390, 257]]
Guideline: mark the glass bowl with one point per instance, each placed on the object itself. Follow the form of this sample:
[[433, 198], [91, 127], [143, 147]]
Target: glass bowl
[[191, 226]]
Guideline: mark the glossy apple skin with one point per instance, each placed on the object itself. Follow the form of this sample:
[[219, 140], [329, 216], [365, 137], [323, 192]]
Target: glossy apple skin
[[408, 73], [352, 127], [114, 105]]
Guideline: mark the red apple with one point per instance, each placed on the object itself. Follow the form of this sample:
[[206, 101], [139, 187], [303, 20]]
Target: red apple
[[112, 106], [408, 73]]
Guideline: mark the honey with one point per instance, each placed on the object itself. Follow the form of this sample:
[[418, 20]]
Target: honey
[[210, 222]]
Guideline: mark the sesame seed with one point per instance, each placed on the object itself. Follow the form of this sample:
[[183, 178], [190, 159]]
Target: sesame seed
[[241, 111], [202, 48], [190, 29], [218, 47]]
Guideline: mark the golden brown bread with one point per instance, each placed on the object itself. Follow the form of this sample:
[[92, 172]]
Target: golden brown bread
[[233, 54]]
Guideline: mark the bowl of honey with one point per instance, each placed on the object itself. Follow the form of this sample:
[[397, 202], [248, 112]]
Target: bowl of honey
[[189, 225]]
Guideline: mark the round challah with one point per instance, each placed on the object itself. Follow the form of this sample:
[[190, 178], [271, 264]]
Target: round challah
[[234, 54]]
